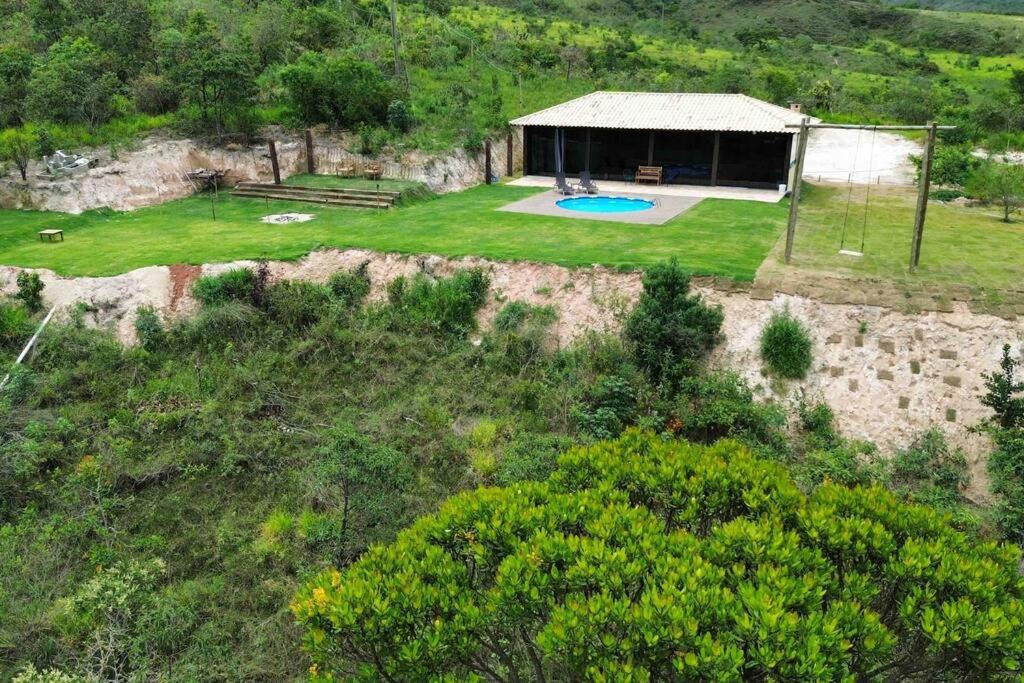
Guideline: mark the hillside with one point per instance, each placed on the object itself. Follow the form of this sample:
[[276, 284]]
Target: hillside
[[990, 6]]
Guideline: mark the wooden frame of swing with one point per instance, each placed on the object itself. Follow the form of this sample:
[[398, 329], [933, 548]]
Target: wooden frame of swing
[[923, 190]]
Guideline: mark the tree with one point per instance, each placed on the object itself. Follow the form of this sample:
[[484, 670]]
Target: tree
[[1017, 84], [669, 330], [15, 70], [72, 85], [217, 78], [1004, 392], [647, 559], [573, 58], [16, 146], [343, 91], [1001, 184]]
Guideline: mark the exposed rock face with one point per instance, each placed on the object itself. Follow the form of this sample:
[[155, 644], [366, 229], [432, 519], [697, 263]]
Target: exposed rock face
[[154, 172], [887, 375]]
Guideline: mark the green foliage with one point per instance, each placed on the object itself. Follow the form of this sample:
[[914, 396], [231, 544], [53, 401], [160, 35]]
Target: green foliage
[[953, 165], [520, 336], [32, 675], [445, 307], [340, 90], [671, 331], [149, 329], [16, 147], [400, 116], [1006, 467], [1001, 184], [15, 326], [350, 288], [644, 560], [30, 290], [234, 285], [72, 85], [786, 346], [297, 304], [15, 70], [609, 407], [1003, 392]]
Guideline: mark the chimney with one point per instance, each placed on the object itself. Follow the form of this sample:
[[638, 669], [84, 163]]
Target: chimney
[[796, 106]]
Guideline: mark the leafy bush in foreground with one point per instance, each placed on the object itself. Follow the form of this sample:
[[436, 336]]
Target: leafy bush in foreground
[[446, 307], [786, 346], [30, 290], [642, 559], [234, 285]]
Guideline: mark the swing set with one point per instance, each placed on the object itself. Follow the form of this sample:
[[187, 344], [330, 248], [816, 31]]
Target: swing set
[[923, 190]]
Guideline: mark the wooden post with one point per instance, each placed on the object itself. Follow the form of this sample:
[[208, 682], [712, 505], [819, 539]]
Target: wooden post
[[922, 197], [650, 149], [487, 162], [714, 159], [509, 163], [794, 205], [586, 153], [310, 161], [273, 163]]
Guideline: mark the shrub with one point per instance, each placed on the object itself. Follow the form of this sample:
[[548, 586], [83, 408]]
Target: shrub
[[642, 559], [298, 304], [930, 463], [520, 336], [1003, 392], [669, 330], [446, 307], [719, 405], [1001, 184], [234, 285], [15, 327], [608, 408], [786, 346], [149, 329], [350, 288], [400, 116], [30, 291]]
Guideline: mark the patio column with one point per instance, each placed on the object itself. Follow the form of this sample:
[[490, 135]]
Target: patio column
[[586, 154], [714, 159], [650, 149]]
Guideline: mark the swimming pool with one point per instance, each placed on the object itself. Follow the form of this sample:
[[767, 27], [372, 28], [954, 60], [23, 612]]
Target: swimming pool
[[602, 204]]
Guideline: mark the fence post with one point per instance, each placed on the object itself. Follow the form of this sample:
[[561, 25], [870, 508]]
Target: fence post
[[310, 161], [509, 164]]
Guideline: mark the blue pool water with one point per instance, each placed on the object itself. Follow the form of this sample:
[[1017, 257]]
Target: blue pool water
[[599, 204]]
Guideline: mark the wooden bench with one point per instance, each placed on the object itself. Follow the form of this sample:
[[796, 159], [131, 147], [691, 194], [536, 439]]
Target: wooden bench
[[50, 234], [373, 171], [647, 174]]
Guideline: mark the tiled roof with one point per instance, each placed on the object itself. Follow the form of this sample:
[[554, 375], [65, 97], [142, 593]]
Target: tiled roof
[[666, 111]]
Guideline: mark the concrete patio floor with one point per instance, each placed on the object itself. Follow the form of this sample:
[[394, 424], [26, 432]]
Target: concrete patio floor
[[665, 208], [684, 191]]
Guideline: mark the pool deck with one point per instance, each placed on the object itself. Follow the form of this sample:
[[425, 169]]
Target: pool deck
[[617, 187], [665, 208]]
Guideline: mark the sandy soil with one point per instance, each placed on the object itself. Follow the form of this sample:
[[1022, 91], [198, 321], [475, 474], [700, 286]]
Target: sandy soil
[[888, 375], [850, 155]]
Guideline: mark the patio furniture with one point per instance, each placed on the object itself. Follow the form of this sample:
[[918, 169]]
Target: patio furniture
[[586, 183], [563, 187], [374, 170], [647, 174], [51, 234]]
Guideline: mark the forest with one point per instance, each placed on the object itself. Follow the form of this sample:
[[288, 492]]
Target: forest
[[75, 73]]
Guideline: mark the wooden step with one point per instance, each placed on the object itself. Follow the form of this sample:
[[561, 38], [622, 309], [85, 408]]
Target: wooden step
[[367, 202], [310, 193], [319, 190], [310, 196]]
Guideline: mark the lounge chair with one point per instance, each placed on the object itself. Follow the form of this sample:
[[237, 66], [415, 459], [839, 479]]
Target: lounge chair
[[586, 183], [563, 187]]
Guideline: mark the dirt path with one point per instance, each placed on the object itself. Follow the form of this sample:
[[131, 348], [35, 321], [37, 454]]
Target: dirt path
[[860, 157]]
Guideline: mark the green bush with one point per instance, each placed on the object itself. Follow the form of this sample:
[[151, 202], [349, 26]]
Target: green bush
[[720, 405], [296, 303], [15, 326], [520, 336], [149, 329], [929, 466], [234, 285], [608, 408], [786, 346], [350, 288], [670, 331], [30, 291], [446, 307], [642, 559]]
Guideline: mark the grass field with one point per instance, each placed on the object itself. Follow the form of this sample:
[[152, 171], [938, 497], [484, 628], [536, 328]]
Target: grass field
[[718, 237], [962, 247]]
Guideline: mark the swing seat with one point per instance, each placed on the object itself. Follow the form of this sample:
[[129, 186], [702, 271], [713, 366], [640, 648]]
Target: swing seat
[[850, 252]]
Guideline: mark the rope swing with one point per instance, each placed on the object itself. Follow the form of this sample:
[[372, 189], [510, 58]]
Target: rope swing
[[867, 196], [849, 195]]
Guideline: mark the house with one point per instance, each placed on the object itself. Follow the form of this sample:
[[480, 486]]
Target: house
[[696, 138]]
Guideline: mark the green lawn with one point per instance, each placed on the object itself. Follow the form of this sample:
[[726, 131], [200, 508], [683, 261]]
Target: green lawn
[[964, 247], [334, 182], [718, 237]]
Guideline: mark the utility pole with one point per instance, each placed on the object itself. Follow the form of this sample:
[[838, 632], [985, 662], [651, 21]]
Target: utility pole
[[922, 197], [794, 200], [275, 167]]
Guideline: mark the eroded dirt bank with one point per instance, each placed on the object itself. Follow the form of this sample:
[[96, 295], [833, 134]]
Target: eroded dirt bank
[[154, 171], [887, 375]]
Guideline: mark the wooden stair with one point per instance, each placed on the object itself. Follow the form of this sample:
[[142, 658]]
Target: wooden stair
[[370, 199]]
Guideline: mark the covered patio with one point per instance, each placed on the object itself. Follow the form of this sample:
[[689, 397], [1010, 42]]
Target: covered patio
[[692, 139], [695, 192]]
